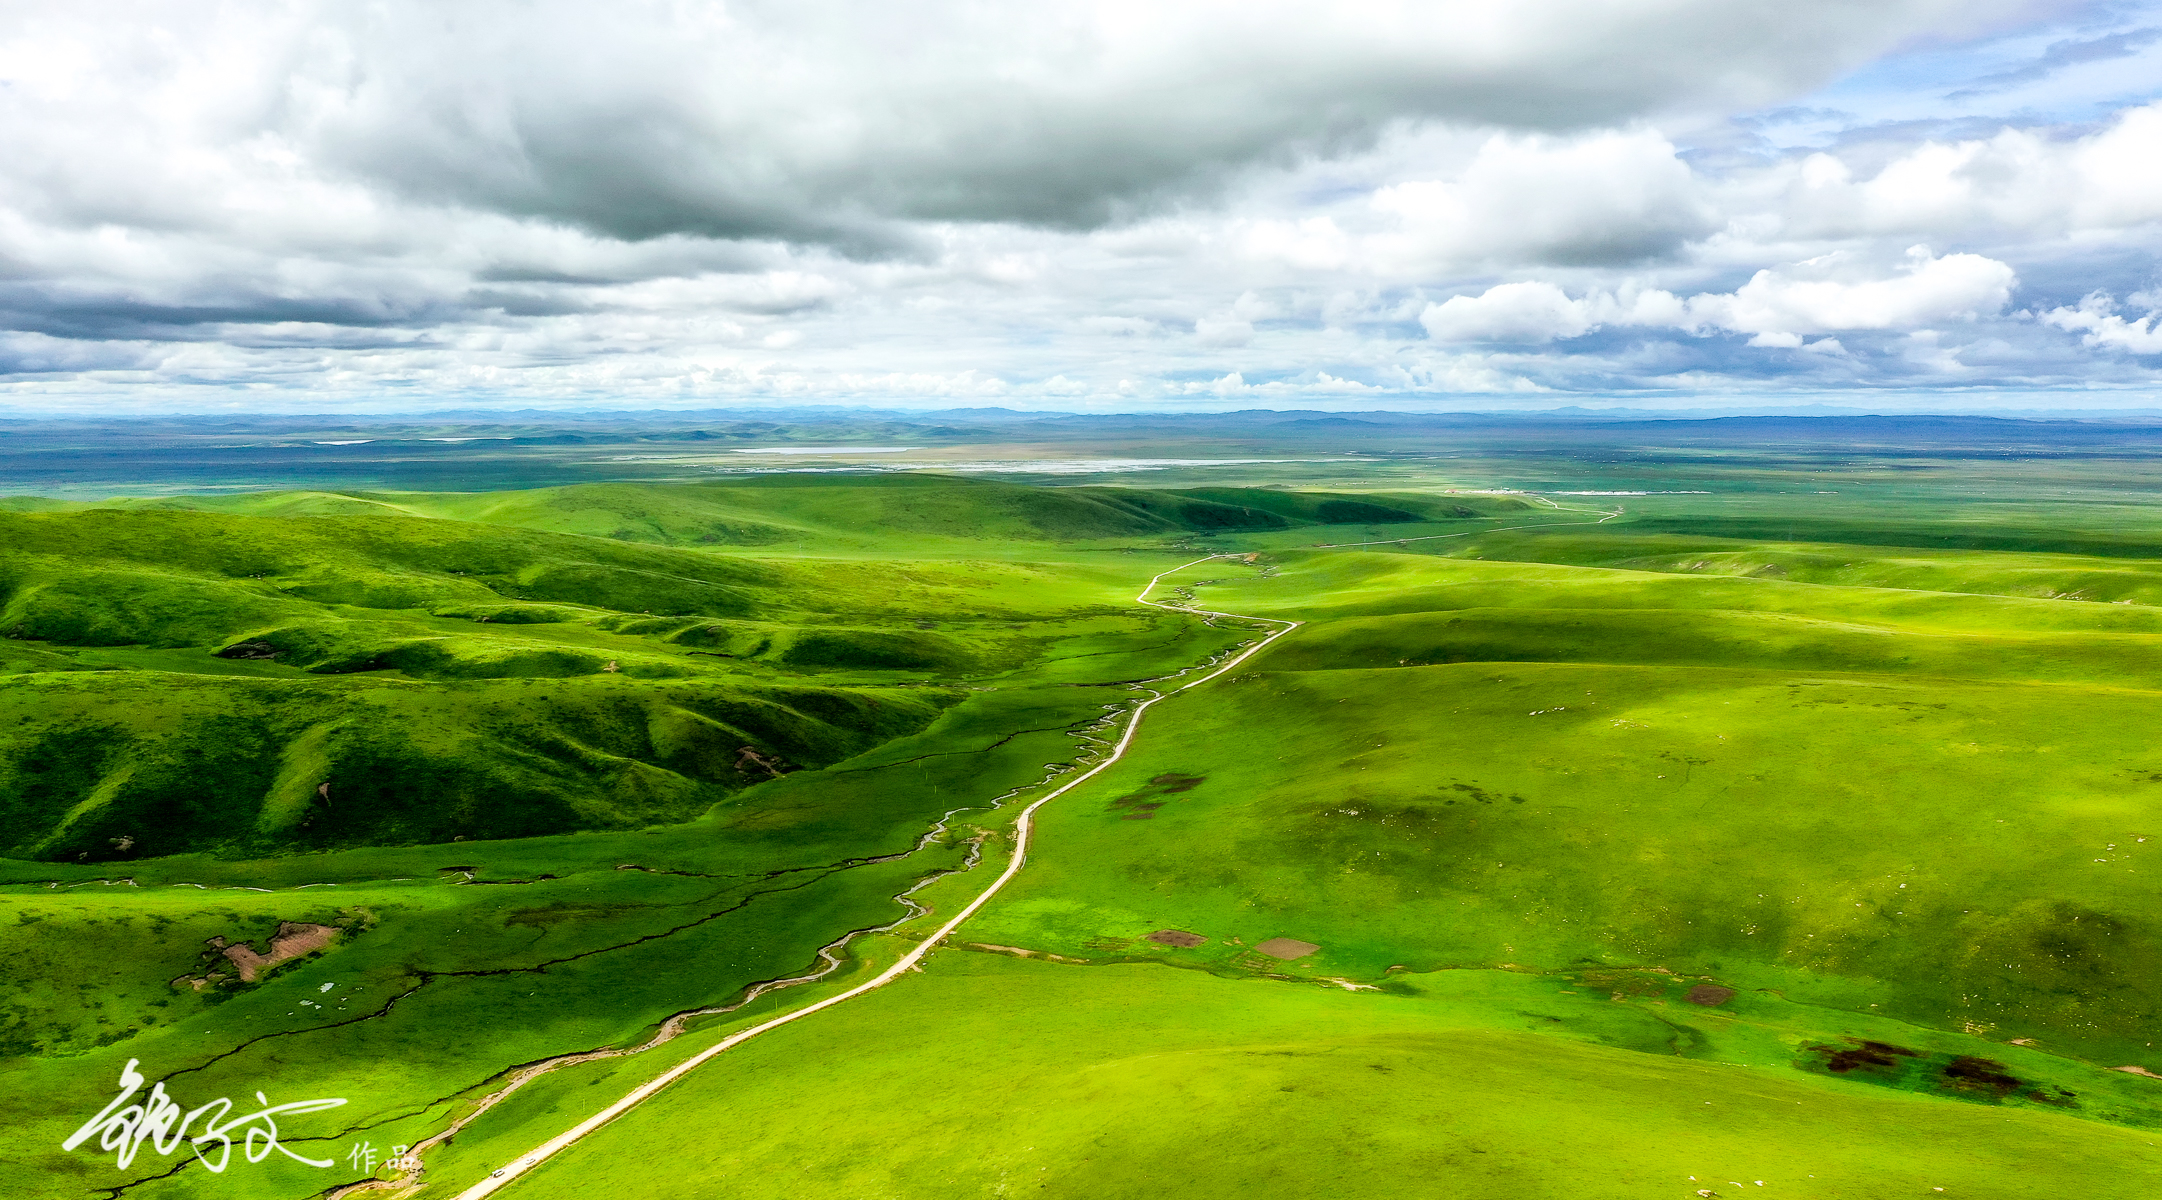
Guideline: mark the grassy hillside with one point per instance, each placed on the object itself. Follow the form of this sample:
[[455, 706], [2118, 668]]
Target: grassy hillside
[[1935, 808], [1699, 846], [186, 681], [1139, 1081], [1620, 883], [866, 512], [306, 670], [550, 791]]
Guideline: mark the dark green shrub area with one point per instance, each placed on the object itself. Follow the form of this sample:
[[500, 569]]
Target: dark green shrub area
[[510, 614], [1324, 508], [248, 675], [627, 590], [874, 649], [115, 766], [92, 605]]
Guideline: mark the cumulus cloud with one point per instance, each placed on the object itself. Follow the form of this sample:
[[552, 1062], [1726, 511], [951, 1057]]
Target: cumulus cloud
[[1608, 198], [1223, 331], [1119, 326], [2097, 317], [1603, 199], [811, 120], [1107, 200], [1235, 386], [1511, 312], [1621, 198], [1834, 293], [2018, 182], [1779, 305]]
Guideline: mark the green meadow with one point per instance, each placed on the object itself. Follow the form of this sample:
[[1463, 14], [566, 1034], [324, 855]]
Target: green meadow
[[1792, 839], [1132, 1080]]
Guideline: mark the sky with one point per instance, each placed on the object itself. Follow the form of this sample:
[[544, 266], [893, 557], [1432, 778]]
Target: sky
[[1909, 205]]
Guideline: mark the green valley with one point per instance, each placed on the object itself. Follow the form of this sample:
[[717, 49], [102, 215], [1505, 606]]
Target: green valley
[[1601, 845]]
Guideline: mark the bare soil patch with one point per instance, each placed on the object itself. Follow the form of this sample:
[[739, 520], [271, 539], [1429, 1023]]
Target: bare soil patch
[[292, 940], [1177, 937], [1286, 949], [1710, 995], [1016, 951], [773, 765]]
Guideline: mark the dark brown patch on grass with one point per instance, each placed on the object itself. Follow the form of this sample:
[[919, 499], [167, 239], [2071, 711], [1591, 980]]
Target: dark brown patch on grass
[[1862, 1056], [1139, 805], [1286, 949], [1980, 1076], [1177, 937], [1956, 1077], [1710, 995], [1483, 796]]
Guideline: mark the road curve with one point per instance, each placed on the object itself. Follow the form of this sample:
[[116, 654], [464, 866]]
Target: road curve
[[1022, 826]]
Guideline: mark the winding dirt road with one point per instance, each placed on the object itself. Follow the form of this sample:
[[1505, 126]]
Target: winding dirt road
[[1022, 827]]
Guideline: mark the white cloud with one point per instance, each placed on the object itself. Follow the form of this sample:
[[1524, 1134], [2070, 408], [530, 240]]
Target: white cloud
[[845, 201], [1770, 340], [1603, 198], [813, 120], [828, 122], [1610, 197], [1509, 312], [2019, 182], [2097, 316], [1322, 383], [1119, 326], [1223, 331], [1542, 312], [1778, 305], [1836, 292]]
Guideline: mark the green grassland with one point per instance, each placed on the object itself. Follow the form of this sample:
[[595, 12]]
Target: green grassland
[[1128, 1080], [1948, 810], [558, 766], [1651, 844], [1902, 813], [189, 680]]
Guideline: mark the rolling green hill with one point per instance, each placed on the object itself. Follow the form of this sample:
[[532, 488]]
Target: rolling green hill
[[1610, 883], [289, 670], [864, 512], [1569, 848]]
